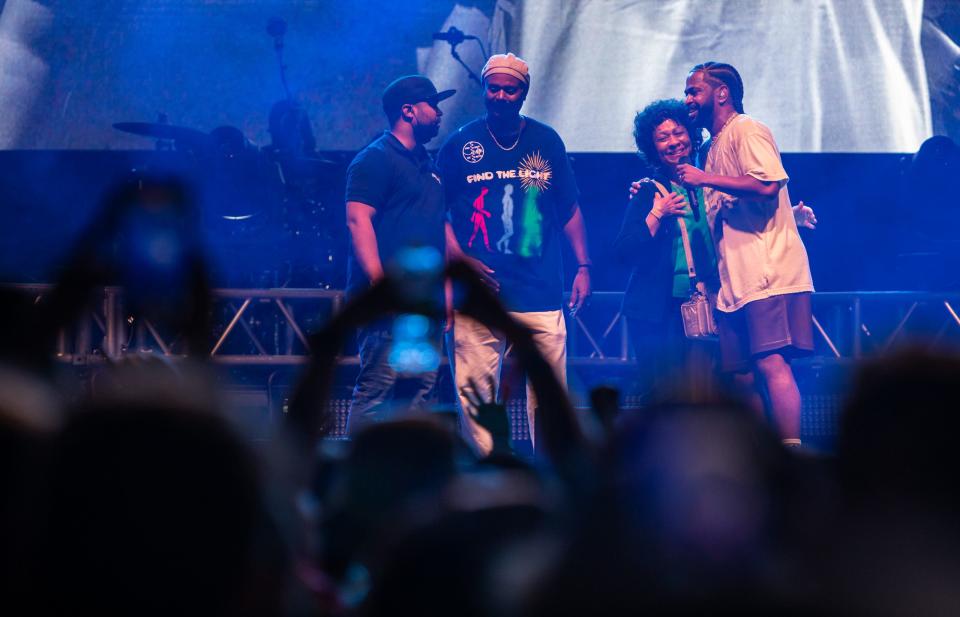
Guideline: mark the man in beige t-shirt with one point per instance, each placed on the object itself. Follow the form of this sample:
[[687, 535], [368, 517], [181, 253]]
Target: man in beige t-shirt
[[765, 281]]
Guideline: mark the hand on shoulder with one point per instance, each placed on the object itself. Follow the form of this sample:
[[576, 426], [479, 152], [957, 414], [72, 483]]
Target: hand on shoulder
[[636, 185]]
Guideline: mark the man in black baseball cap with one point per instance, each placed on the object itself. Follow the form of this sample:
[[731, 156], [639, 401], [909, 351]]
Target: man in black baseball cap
[[394, 201], [411, 89]]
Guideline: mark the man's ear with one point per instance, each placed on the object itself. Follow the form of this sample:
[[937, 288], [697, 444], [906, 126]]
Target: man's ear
[[406, 112], [723, 94]]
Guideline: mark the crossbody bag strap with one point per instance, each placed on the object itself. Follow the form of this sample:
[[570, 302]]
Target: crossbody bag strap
[[684, 237]]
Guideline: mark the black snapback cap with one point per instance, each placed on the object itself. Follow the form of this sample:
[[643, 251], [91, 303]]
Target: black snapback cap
[[412, 89]]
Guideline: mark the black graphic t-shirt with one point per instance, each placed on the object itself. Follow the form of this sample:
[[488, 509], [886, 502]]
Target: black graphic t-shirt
[[404, 188], [508, 208]]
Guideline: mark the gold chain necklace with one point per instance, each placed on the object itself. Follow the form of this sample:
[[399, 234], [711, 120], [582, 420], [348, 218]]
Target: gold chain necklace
[[729, 120], [715, 139], [502, 147]]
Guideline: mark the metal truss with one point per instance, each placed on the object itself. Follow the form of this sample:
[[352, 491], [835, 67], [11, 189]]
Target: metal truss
[[269, 327], [852, 325]]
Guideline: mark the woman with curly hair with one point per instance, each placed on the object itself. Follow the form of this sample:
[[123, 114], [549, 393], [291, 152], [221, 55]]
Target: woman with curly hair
[[649, 241]]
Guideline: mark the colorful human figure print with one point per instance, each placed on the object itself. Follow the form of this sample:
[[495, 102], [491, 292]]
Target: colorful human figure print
[[503, 244], [478, 218]]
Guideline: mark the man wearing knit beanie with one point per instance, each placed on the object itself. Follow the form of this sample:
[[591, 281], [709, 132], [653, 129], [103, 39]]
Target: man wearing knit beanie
[[511, 196]]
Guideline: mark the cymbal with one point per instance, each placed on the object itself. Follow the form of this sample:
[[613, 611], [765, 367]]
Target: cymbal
[[164, 131], [318, 163], [299, 161]]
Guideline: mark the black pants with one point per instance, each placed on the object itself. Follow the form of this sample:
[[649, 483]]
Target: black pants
[[380, 392], [671, 367]]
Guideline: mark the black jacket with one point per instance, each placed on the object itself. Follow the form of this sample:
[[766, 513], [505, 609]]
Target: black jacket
[[649, 294]]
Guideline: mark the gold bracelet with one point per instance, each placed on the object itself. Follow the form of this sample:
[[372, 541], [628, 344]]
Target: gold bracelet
[[654, 214]]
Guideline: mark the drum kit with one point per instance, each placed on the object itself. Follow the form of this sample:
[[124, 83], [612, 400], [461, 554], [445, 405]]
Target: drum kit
[[266, 212]]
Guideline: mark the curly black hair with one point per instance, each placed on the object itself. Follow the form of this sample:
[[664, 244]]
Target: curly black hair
[[651, 117]]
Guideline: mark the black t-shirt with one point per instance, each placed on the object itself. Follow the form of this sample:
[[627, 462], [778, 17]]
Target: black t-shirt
[[508, 208], [404, 188]]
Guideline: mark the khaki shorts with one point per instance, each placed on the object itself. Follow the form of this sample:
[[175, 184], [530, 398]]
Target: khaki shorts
[[779, 324]]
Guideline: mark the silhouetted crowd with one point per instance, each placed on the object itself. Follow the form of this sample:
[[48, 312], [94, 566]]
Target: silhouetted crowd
[[136, 494]]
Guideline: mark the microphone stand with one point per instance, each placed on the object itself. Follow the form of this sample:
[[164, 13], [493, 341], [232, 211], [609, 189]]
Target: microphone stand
[[278, 46], [455, 36], [456, 56], [276, 28]]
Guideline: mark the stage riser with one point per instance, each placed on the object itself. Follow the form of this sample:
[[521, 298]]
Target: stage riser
[[260, 409]]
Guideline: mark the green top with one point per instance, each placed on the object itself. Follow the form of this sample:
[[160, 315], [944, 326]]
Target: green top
[[701, 246]]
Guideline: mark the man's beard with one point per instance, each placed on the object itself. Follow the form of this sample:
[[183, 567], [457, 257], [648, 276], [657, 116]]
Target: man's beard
[[704, 118], [504, 110], [426, 132]]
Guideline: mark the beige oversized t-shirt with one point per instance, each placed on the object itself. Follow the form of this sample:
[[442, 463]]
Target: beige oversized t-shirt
[[759, 250]]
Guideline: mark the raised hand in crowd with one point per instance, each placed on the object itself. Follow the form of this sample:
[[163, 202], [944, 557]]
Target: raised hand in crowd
[[309, 417], [491, 415], [558, 433]]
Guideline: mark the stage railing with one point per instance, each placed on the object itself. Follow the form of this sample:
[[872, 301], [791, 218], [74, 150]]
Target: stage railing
[[851, 325], [270, 327]]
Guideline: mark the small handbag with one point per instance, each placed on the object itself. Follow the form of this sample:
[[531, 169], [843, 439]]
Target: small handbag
[[697, 312]]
